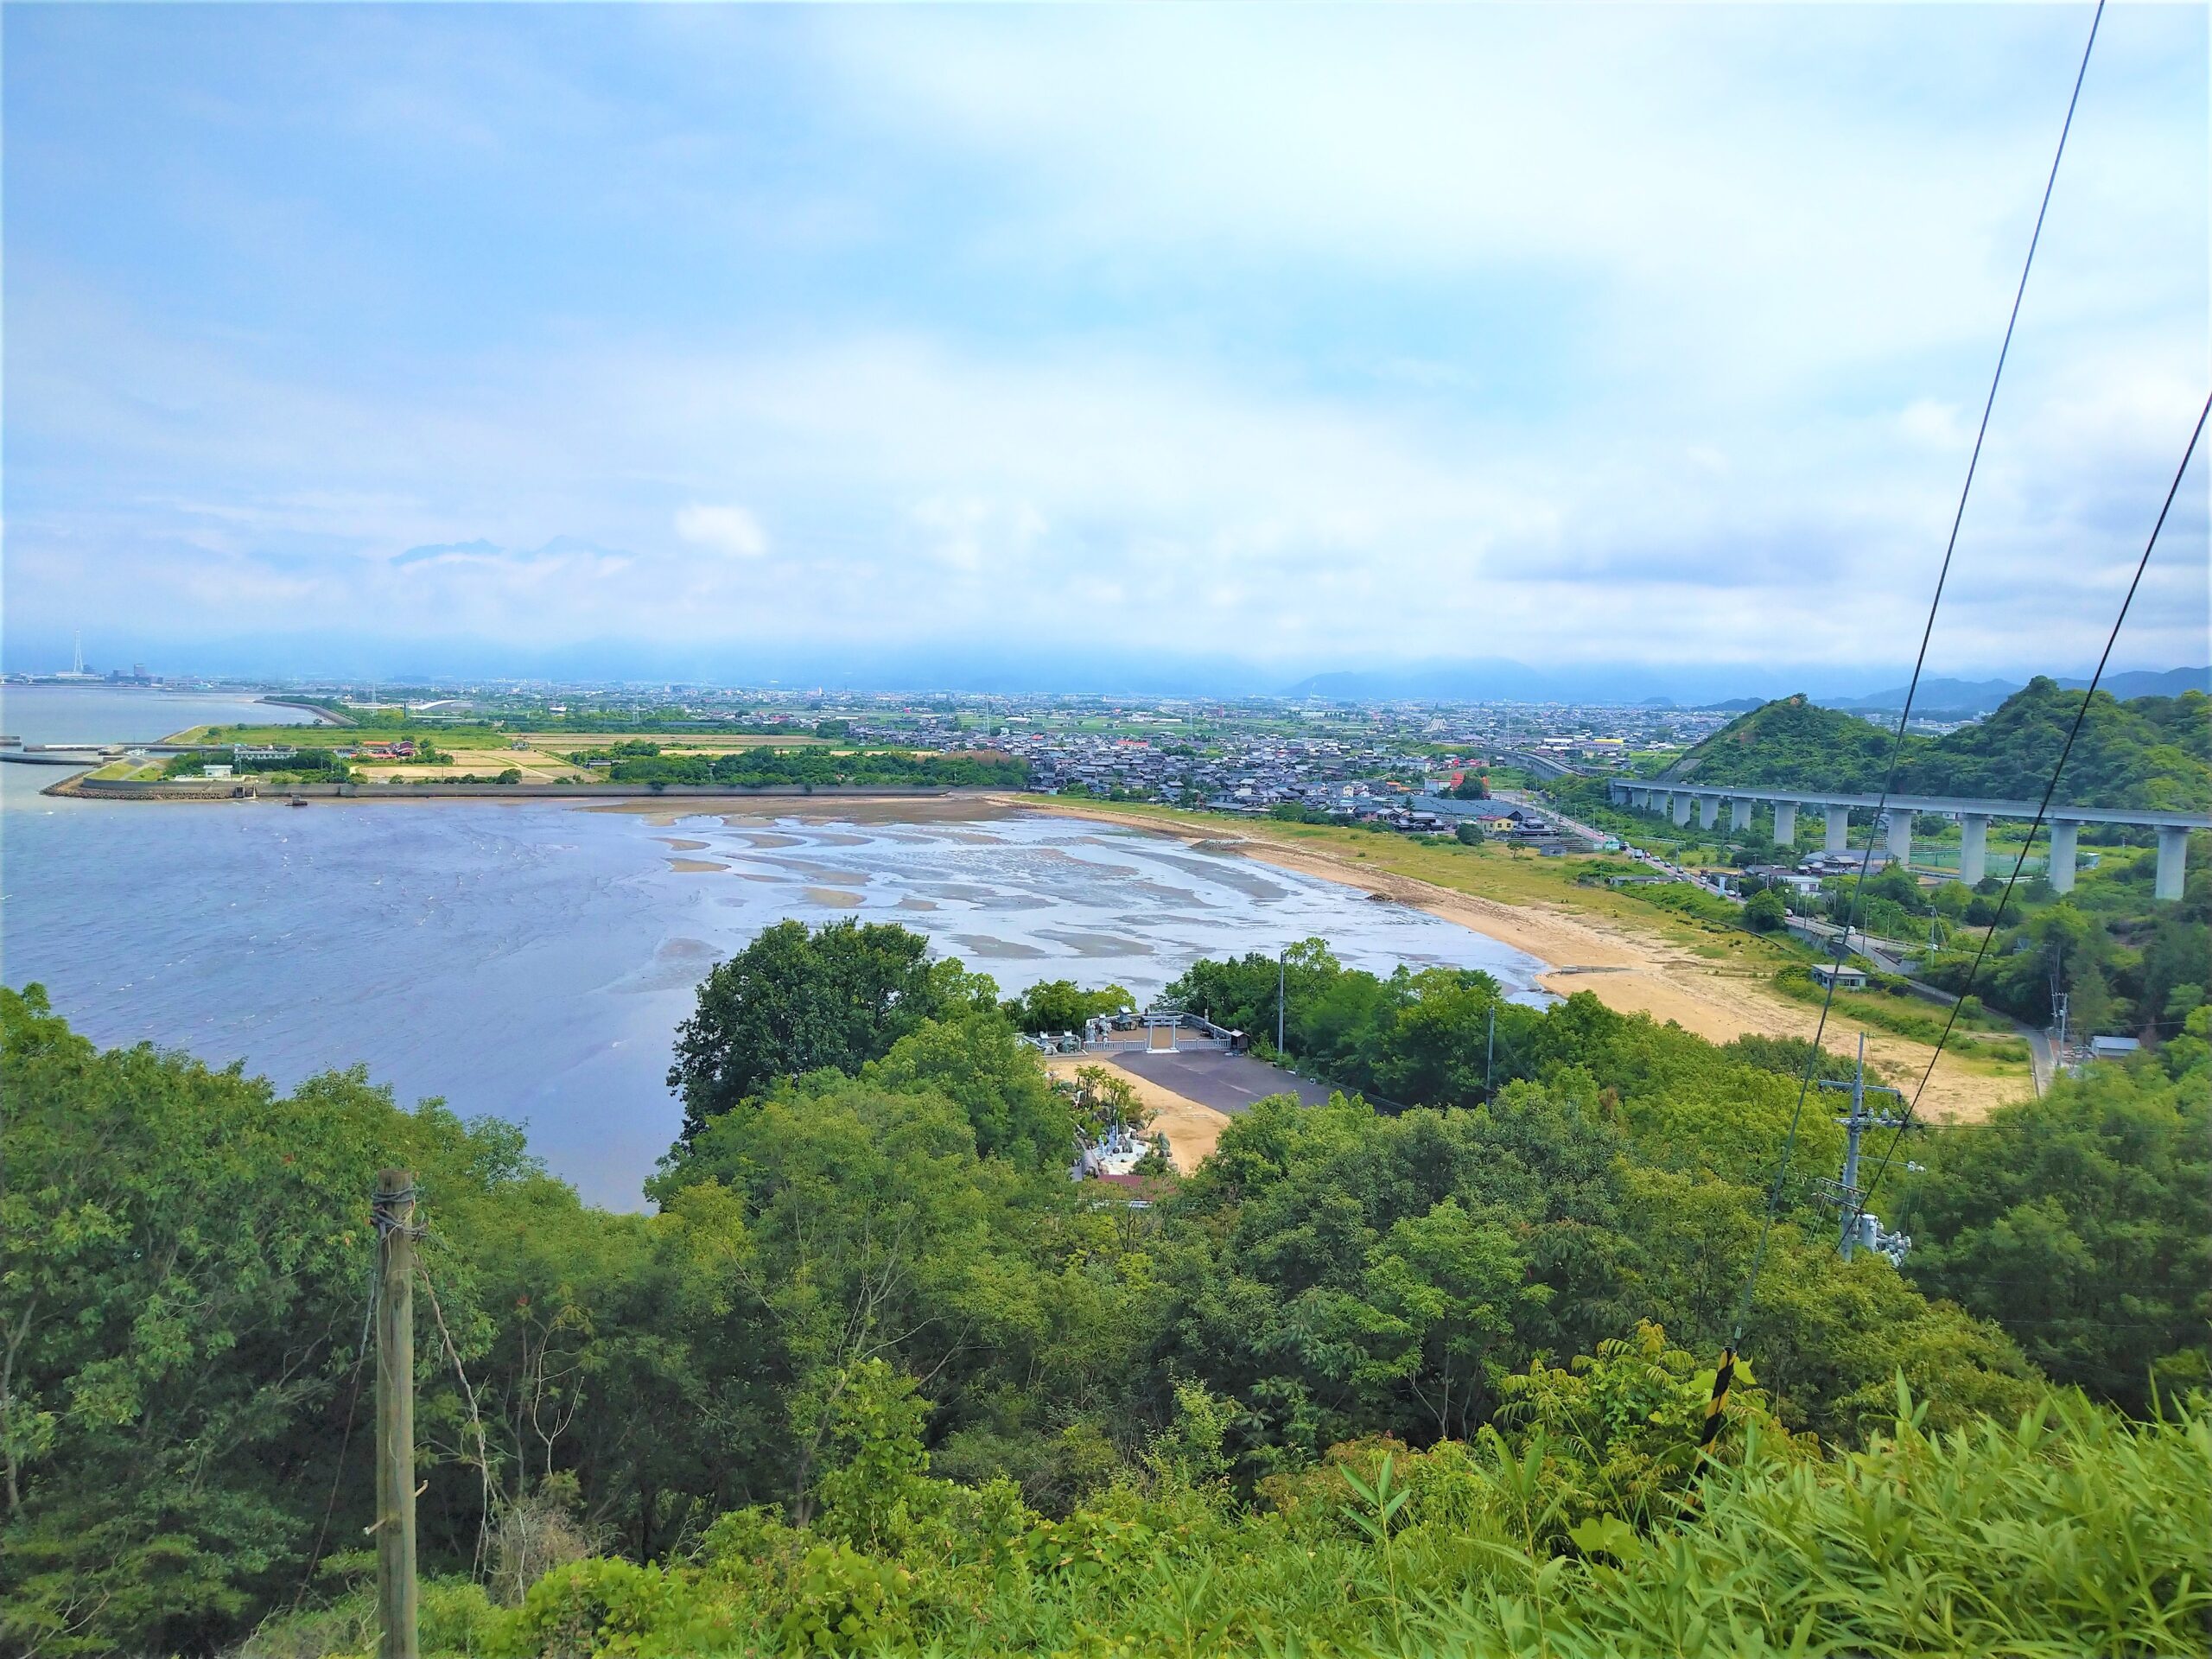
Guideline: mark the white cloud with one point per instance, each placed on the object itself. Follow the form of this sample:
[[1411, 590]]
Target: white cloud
[[1318, 335], [728, 529], [1938, 426]]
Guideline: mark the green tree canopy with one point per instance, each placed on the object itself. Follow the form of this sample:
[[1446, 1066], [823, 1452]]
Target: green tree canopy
[[1062, 1005], [795, 1000], [2082, 1222], [2151, 752]]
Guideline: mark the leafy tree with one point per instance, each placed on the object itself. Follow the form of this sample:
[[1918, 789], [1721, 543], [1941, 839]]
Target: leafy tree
[[810, 768], [1061, 1005], [2081, 1221], [868, 1272], [1765, 912], [796, 1001], [184, 1256], [855, 1223], [1104, 1100], [974, 1060]]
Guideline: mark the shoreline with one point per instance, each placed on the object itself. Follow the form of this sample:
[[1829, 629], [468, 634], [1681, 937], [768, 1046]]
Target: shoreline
[[1630, 970], [1629, 967]]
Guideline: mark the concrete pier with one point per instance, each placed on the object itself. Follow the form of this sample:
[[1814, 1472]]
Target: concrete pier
[[1681, 805], [1839, 829], [1739, 815], [1709, 812], [2062, 834], [2173, 850], [1901, 837], [1973, 846], [1785, 824]]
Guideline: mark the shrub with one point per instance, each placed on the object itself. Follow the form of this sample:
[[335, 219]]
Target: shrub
[[536, 1534], [603, 1605], [1764, 913], [843, 1601]]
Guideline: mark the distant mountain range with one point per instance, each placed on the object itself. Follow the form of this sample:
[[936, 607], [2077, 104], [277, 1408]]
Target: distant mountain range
[[1984, 696], [1492, 679], [1479, 680]]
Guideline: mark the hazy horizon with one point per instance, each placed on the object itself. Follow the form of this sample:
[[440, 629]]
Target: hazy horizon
[[1191, 678]]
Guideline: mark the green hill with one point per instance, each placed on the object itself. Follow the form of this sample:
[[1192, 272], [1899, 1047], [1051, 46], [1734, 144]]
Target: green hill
[[2151, 752], [1791, 742]]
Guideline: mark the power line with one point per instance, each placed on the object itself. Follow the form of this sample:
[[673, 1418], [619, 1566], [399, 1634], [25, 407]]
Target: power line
[[345, 1442], [1896, 744], [2043, 807]]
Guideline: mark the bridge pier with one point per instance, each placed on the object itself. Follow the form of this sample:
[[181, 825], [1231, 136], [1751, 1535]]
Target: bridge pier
[[1973, 846], [1678, 803], [2173, 854], [1901, 837], [2063, 832]]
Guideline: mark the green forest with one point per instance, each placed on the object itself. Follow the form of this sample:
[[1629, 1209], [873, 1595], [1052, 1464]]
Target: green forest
[[2147, 752], [1418, 1371], [813, 768]]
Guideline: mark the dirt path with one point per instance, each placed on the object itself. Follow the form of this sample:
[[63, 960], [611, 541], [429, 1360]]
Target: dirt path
[[1629, 969]]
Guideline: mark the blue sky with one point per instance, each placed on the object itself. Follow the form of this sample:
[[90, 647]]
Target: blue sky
[[751, 340]]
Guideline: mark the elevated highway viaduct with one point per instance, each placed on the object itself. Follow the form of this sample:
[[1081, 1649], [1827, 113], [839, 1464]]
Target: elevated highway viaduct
[[1679, 800]]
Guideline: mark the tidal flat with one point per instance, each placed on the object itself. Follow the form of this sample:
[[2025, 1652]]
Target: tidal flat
[[531, 960]]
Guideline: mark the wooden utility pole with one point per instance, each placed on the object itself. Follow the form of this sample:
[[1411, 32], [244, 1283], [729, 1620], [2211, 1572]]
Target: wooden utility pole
[[394, 1211]]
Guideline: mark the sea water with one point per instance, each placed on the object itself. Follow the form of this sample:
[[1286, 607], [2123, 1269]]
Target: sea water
[[532, 959]]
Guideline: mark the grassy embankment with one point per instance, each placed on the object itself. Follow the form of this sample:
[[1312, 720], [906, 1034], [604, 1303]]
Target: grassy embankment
[[138, 772]]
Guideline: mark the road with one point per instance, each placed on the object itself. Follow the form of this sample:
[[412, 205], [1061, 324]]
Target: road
[[2043, 1059], [1227, 1083], [1886, 954], [1522, 797]]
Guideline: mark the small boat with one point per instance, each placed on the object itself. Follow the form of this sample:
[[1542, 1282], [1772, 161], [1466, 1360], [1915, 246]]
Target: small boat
[[297, 800]]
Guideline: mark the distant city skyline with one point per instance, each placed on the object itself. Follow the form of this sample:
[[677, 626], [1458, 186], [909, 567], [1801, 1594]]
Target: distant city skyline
[[1195, 348]]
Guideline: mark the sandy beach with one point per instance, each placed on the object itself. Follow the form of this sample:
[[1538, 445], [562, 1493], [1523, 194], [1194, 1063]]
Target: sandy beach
[[1629, 971]]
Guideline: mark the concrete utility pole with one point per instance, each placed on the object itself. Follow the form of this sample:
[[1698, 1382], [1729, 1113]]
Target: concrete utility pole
[[1855, 1125], [394, 1214]]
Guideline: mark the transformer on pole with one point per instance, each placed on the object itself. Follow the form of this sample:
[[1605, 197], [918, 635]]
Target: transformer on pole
[[1846, 1194]]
